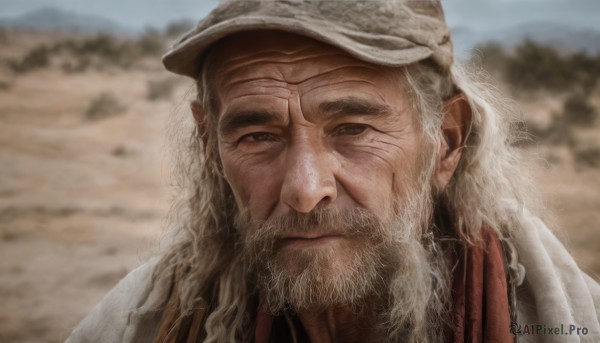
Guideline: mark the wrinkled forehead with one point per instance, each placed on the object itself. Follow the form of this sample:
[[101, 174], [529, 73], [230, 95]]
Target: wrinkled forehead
[[244, 55]]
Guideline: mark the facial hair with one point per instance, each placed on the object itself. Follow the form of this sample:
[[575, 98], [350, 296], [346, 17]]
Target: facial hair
[[358, 269], [342, 272]]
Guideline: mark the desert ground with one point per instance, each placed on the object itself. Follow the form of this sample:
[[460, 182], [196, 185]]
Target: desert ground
[[83, 197]]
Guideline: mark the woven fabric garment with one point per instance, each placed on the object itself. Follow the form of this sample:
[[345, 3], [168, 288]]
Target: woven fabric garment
[[480, 293]]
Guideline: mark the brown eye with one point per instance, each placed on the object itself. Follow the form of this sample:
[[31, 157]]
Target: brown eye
[[257, 137], [350, 129]]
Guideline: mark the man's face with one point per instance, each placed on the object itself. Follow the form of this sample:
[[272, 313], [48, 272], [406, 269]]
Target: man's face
[[304, 126]]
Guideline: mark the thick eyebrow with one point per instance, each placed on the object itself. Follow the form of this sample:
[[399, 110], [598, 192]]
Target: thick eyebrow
[[353, 107], [235, 120]]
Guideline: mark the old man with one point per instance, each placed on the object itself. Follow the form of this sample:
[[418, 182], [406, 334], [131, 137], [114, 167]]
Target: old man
[[346, 181]]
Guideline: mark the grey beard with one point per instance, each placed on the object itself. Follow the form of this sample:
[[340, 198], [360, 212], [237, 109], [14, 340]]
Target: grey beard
[[360, 269], [394, 264], [314, 279]]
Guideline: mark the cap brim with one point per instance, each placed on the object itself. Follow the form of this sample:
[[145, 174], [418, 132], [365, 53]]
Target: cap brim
[[184, 57]]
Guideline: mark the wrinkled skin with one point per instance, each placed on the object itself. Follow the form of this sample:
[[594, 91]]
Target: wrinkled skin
[[302, 125], [306, 155]]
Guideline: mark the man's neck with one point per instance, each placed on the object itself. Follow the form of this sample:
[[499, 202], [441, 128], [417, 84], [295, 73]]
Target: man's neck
[[340, 324]]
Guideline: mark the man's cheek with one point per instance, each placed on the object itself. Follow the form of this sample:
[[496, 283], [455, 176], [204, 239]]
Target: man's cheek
[[254, 190], [398, 161], [234, 178], [262, 199], [368, 183]]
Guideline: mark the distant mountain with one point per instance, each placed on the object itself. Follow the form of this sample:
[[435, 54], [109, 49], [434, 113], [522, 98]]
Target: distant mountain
[[560, 36], [54, 19]]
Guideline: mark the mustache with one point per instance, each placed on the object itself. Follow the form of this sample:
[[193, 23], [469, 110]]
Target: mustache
[[345, 222]]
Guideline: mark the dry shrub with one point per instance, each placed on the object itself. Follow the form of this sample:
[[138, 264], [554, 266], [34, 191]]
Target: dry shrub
[[37, 58], [109, 50], [179, 27], [5, 86], [533, 66], [78, 66], [96, 51], [161, 89], [578, 111], [104, 106], [558, 132], [588, 156]]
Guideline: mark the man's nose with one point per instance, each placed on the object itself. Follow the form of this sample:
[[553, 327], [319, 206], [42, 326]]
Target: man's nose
[[309, 178]]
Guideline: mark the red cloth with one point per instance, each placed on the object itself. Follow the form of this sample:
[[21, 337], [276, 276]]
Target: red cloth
[[264, 325], [481, 310]]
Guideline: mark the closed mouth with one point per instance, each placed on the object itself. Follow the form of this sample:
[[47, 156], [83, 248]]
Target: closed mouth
[[307, 241]]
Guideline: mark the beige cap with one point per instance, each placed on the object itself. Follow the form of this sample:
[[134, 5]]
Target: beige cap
[[385, 32]]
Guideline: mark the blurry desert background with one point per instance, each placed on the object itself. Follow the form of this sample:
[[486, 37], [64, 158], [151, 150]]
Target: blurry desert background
[[85, 164]]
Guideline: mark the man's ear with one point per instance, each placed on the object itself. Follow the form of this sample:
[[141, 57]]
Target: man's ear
[[456, 126], [198, 113]]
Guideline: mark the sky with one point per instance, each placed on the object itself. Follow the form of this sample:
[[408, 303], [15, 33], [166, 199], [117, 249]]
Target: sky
[[494, 14], [474, 14]]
